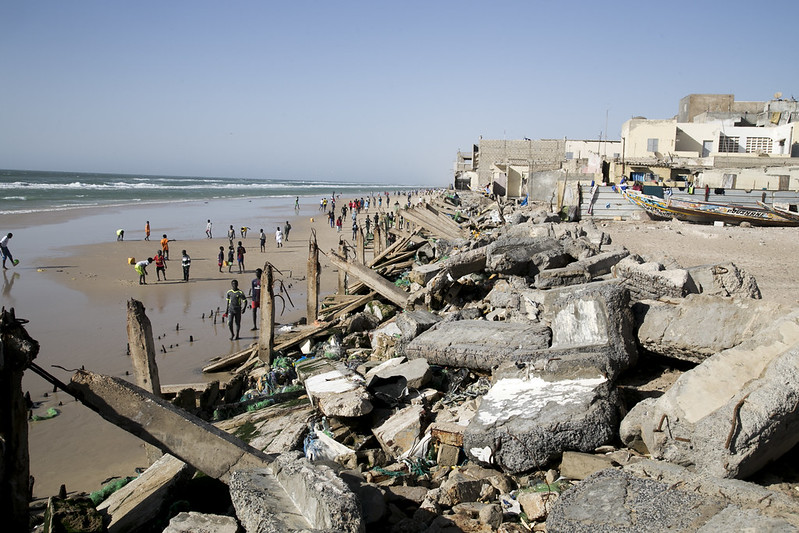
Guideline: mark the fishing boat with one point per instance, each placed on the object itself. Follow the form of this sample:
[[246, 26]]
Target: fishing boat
[[781, 211], [707, 212]]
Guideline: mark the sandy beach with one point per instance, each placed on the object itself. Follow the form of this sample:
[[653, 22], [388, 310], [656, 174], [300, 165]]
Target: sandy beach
[[74, 280]]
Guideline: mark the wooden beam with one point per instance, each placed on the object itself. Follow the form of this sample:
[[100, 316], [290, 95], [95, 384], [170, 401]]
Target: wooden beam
[[142, 348], [266, 337], [312, 301], [372, 279]]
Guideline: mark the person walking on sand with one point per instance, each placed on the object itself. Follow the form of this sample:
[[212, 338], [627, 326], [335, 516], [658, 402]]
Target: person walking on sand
[[255, 297], [279, 237], [262, 238], [160, 265], [220, 258], [5, 252], [231, 234], [297, 204], [208, 233], [165, 247], [287, 229], [141, 269], [338, 225], [231, 253], [236, 300], [147, 231], [240, 251], [185, 262], [354, 230]]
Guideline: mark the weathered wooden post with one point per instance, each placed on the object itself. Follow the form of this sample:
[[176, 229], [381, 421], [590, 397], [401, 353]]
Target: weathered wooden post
[[142, 348], [378, 240], [17, 351], [359, 248], [266, 339], [312, 306], [342, 274]]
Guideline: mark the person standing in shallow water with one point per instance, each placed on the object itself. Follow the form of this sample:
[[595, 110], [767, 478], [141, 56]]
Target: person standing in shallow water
[[5, 252], [160, 265], [236, 300], [221, 257]]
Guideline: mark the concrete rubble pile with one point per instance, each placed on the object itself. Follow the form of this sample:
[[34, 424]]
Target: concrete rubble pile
[[511, 391]]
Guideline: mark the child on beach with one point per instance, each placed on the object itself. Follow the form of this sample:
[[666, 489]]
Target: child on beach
[[185, 262], [262, 238], [255, 297], [160, 265], [120, 235], [287, 229], [208, 229], [240, 251], [231, 234], [279, 237], [141, 269], [147, 231], [165, 247], [338, 225], [221, 257], [235, 300], [230, 254], [244, 230]]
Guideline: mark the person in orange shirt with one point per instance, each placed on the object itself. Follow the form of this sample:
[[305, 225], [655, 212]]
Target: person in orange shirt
[[165, 247], [147, 231]]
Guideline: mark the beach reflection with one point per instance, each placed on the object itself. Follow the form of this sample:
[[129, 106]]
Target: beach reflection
[[8, 282]]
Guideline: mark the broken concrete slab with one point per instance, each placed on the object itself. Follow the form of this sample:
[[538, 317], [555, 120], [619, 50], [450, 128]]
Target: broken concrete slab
[[194, 522], [524, 422], [416, 372], [422, 274], [146, 497], [581, 271], [723, 279], [651, 497], [401, 431], [525, 256], [333, 388], [697, 326], [478, 344], [319, 499], [165, 426], [414, 322], [650, 281], [274, 429], [732, 414]]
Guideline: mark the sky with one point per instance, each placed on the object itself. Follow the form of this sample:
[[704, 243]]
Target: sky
[[366, 91]]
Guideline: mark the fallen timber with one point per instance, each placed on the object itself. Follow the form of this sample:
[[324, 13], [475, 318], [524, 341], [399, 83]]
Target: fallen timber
[[372, 279], [215, 452]]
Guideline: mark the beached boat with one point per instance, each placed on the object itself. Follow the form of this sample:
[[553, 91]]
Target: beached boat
[[706, 212], [781, 211]]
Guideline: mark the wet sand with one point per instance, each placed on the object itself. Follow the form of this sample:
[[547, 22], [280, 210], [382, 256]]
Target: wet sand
[[73, 283]]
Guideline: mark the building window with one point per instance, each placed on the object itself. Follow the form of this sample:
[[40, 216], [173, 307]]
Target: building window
[[729, 144], [758, 145], [651, 145]]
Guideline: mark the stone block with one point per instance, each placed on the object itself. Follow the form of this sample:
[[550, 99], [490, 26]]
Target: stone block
[[723, 279], [333, 388], [578, 465], [448, 433], [524, 422], [525, 256], [447, 455], [732, 414], [650, 280], [416, 372], [194, 522], [421, 274], [458, 489], [412, 323], [401, 431], [650, 497], [537, 505]]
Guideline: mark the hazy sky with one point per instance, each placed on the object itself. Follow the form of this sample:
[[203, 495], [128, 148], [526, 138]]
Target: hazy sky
[[369, 91]]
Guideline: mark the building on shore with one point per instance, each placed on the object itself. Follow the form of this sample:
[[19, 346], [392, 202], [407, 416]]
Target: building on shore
[[713, 141]]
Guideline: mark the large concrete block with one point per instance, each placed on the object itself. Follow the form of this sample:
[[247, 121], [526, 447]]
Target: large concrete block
[[698, 326], [650, 280], [732, 414], [723, 279], [193, 522], [650, 497], [525, 256], [416, 372], [525, 422]]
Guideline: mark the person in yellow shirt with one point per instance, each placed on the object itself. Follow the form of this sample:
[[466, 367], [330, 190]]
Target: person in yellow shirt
[[165, 247]]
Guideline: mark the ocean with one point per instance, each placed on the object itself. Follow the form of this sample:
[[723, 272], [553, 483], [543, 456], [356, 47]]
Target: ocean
[[30, 191]]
